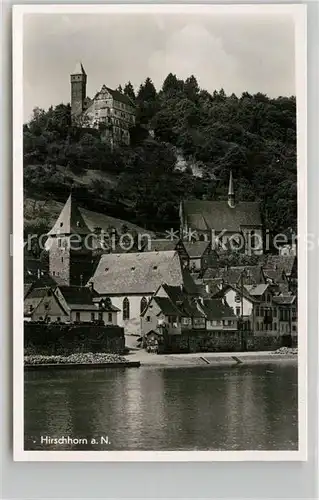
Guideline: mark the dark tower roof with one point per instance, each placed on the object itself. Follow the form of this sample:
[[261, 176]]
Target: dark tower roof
[[78, 70]]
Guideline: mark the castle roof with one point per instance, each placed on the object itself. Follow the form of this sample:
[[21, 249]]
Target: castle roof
[[78, 70], [70, 220], [140, 273], [203, 215]]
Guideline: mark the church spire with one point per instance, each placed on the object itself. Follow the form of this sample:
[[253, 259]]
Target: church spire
[[231, 193]]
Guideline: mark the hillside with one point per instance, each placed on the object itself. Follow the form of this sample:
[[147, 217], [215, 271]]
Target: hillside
[[197, 137]]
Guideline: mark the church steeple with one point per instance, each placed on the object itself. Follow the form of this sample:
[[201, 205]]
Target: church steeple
[[231, 193]]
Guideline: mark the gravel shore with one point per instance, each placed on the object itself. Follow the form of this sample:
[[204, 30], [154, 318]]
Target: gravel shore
[[80, 358]]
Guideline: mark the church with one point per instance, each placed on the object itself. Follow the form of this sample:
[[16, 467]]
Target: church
[[226, 224], [110, 110]]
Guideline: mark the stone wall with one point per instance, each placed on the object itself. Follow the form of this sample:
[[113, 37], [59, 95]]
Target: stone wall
[[54, 339], [220, 341]]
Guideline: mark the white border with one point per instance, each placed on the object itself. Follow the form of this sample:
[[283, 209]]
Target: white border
[[299, 13]]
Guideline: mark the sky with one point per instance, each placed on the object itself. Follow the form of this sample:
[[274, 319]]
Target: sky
[[242, 52]]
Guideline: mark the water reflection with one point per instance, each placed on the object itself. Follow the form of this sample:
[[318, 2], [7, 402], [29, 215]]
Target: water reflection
[[229, 408]]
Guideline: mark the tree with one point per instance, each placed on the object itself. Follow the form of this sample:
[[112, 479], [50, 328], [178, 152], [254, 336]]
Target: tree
[[119, 89], [147, 91], [129, 91]]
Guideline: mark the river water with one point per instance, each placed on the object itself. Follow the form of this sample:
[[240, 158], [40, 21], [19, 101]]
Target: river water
[[245, 407]]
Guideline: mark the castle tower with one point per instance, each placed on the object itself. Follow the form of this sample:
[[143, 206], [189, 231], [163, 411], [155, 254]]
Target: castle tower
[[70, 247], [231, 193], [78, 89]]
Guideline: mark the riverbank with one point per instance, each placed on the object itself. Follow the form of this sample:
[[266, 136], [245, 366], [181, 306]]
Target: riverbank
[[78, 361], [212, 358]]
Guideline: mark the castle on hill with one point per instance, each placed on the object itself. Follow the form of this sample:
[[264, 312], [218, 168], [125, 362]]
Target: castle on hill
[[109, 110]]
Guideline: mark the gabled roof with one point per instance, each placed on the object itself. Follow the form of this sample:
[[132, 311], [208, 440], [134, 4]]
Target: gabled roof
[[244, 292], [140, 273], [203, 215], [257, 290], [78, 294], [70, 220], [117, 95], [160, 245], [167, 306], [284, 299], [197, 248], [215, 309], [182, 301], [232, 275], [280, 263]]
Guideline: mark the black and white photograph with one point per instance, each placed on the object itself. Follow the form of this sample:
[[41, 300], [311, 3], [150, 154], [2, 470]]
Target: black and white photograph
[[159, 238]]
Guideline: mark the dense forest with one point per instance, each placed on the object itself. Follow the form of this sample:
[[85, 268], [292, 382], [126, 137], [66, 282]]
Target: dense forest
[[253, 135]]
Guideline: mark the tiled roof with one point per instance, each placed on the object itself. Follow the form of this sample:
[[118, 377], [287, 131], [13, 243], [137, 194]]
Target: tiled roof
[[284, 299], [256, 290], [197, 248], [157, 245], [215, 309], [205, 215], [232, 275], [279, 263], [167, 306], [140, 273], [77, 294], [96, 219], [182, 301], [118, 96], [70, 220]]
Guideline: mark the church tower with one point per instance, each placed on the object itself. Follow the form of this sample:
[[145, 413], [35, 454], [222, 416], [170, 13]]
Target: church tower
[[231, 193], [78, 89], [70, 247]]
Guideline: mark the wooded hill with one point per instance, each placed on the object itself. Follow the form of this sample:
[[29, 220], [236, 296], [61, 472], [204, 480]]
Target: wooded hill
[[253, 135]]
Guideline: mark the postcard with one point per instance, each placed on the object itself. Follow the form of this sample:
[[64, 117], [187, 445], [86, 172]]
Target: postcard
[[160, 232]]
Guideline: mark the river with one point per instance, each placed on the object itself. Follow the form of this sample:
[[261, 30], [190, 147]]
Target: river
[[243, 407]]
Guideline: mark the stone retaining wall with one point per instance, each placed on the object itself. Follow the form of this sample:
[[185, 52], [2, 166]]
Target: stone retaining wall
[[64, 339], [220, 341]]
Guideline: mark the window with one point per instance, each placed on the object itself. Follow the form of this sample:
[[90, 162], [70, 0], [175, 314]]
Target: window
[[92, 316], [61, 259], [59, 242], [100, 316], [58, 319], [275, 326], [109, 318], [237, 311], [257, 326], [46, 306], [148, 318], [294, 328], [77, 316], [61, 224], [257, 311], [143, 304], [275, 312], [30, 308], [261, 311], [126, 309]]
